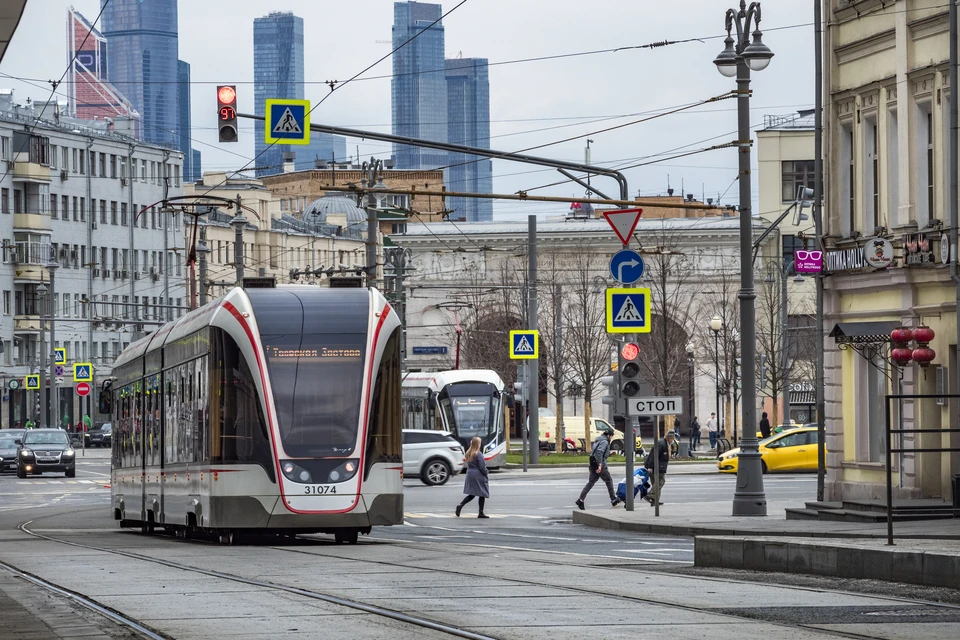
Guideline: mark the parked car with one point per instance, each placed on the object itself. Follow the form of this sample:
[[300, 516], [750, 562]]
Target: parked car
[[9, 444], [792, 450], [46, 450], [100, 436], [573, 434], [432, 455]]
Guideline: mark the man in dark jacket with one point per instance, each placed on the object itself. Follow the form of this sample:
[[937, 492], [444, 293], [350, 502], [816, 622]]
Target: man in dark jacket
[[764, 426], [598, 468], [662, 451]]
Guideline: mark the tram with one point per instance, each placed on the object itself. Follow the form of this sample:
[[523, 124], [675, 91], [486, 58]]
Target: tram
[[273, 410], [466, 402]]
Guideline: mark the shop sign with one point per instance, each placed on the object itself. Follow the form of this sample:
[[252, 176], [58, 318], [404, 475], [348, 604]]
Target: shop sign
[[878, 253], [807, 261], [918, 249], [944, 249], [845, 259]]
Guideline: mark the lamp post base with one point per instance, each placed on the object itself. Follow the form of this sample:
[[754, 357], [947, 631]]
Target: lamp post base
[[749, 499]]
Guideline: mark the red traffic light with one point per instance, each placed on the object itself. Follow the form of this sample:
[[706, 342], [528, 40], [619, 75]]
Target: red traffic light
[[226, 95], [630, 351]]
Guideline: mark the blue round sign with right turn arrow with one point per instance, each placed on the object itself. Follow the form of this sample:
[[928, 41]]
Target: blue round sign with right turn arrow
[[626, 266]]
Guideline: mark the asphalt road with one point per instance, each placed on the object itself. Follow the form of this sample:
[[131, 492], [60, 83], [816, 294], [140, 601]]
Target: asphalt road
[[526, 572]]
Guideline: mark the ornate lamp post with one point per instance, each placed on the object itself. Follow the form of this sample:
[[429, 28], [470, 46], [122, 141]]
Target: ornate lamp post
[[716, 325], [738, 58]]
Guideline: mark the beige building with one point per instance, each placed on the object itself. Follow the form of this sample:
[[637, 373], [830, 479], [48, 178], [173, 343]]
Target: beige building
[[323, 240], [887, 97]]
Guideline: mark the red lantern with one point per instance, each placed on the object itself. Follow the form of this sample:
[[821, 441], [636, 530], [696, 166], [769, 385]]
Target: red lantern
[[901, 335], [924, 355], [923, 335], [901, 356]]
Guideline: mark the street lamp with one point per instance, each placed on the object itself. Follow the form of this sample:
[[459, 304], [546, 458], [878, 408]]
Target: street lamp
[[42, 406], [53, 420], [716, 324], [238, 224], [738, 58], [690, 362]]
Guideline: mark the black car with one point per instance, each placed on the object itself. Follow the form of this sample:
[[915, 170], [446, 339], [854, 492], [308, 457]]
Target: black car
[[100, 436], [45, 450], [9, 446]]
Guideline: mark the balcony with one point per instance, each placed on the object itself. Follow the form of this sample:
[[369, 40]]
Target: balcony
[[30, 172], [31, 222], [26, 324]]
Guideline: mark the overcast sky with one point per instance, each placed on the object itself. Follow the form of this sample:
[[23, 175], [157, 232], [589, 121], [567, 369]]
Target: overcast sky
[[566, 94]]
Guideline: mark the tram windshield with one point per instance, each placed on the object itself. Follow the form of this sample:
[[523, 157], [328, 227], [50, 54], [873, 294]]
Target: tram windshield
[[317, 379], [471, 409]]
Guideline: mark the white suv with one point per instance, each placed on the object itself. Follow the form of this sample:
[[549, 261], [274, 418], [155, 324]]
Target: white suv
[[432, 455]]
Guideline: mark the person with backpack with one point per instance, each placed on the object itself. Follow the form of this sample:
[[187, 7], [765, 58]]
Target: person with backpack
[[598, 468], [694, 433], [662, 451]]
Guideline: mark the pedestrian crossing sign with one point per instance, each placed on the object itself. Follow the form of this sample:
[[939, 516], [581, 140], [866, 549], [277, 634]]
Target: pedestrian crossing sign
[[287, 122], [524, 345], [628, 310], [61, 355], [33, 381], [83, 372]]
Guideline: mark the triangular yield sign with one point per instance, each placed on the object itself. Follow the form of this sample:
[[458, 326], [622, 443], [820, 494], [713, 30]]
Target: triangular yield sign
[[287, 123], [624, 222]]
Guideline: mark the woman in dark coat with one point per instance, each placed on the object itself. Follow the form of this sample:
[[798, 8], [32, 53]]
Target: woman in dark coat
[[476, 485]]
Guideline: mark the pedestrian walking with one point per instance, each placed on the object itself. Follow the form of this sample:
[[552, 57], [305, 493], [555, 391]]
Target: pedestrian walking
[[712, 430], [694, 433], [662, 451], [477, 484], [764, 426], [598, 468]]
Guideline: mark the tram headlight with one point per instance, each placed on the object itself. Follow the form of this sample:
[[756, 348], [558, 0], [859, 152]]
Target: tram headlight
[[344, 471], [295, 472], [490, 447]]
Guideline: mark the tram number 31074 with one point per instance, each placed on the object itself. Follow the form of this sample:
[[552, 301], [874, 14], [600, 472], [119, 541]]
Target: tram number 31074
[[319, 489]]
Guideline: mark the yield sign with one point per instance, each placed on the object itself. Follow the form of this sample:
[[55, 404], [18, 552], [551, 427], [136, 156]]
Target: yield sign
[[623, 221]]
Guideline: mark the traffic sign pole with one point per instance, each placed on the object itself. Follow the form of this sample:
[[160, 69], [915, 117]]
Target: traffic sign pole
[[533, 410]]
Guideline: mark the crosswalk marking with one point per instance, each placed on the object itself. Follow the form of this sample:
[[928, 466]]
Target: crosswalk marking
[[421, 515]]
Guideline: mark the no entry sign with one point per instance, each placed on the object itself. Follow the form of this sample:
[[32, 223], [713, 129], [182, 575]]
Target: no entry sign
[[83, 389]]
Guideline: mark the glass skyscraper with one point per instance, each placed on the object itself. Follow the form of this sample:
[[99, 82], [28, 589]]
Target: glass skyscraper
[[183, 117], [468, 118], [142, 63], [418, 87], [278, 73]]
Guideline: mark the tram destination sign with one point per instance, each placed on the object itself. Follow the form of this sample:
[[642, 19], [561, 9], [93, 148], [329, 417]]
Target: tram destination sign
[[672, 406]]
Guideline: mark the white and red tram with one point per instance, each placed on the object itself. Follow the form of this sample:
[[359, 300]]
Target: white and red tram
[[270, 410]]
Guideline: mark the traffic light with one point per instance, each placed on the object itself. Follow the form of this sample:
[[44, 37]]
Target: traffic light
[[610, 382], [519, 392], [629, 370], [227, 112]]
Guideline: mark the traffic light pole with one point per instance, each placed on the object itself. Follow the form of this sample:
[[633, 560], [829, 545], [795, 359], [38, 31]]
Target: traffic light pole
[[533, 377]]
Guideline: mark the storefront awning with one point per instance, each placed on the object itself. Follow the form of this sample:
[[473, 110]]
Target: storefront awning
[[803, 397], [863, 332]]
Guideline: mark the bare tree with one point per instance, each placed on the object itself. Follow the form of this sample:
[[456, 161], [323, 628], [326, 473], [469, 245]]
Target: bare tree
[[488, 317], [674, 284], [554, 353], [718, 297], [586, 337]]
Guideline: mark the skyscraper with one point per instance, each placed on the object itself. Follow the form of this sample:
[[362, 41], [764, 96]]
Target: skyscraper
[[142, 65], [418, 87], [183, 119], [468, 118], [89, 95], [278, 73]]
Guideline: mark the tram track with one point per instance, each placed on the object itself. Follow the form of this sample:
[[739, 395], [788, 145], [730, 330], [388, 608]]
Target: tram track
[[633, 600]]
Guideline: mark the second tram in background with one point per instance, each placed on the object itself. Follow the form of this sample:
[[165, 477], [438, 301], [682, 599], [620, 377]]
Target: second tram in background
[[465, 402]]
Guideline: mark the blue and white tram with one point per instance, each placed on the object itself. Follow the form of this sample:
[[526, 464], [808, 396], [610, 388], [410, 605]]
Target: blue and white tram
[[466, 402], [268, 410]]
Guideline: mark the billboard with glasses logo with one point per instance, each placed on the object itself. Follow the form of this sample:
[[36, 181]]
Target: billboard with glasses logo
[[805, 261]]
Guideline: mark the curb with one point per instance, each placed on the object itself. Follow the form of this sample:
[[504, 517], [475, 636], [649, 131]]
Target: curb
[[913, 566], [592, 519]]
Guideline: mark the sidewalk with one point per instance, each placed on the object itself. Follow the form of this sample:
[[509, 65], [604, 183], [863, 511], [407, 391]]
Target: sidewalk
[[686, 467], [926, 552]]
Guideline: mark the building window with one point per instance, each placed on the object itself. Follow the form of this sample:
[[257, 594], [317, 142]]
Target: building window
[[398, 227], [65, 158], [53, 206], [17, 201], [66, 306], [848, 201], [123, 167], [83, 209], [930, 172], [5, 148], [924, 165], [876, 371], [5, 200], [113, 166], [113, 212], [123, 213], [103, 212], [871, 175], [143, 171], [53, 156], [6, 303], [65, 207], [75, 211], [103, 166]]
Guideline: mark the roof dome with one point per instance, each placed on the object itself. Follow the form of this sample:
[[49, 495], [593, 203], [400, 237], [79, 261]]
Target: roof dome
[[335, 203]]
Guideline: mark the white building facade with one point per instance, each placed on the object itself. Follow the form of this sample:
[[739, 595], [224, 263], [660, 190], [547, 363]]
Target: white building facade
[[76, 195]]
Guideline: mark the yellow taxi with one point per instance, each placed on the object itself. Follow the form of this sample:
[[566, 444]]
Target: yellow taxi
[[791, 450]]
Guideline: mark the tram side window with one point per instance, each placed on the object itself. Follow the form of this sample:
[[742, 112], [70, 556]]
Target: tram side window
[[201, 412], [238, 431], [384, 436], [171, 413]]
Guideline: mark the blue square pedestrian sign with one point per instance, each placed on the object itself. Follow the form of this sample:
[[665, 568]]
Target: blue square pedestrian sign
[[628, 310], [524, 345], [287, 122], [83, 372], [61, 355], [33, 381]]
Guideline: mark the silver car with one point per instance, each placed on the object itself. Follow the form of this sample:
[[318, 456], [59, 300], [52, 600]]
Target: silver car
[[432, 455]]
